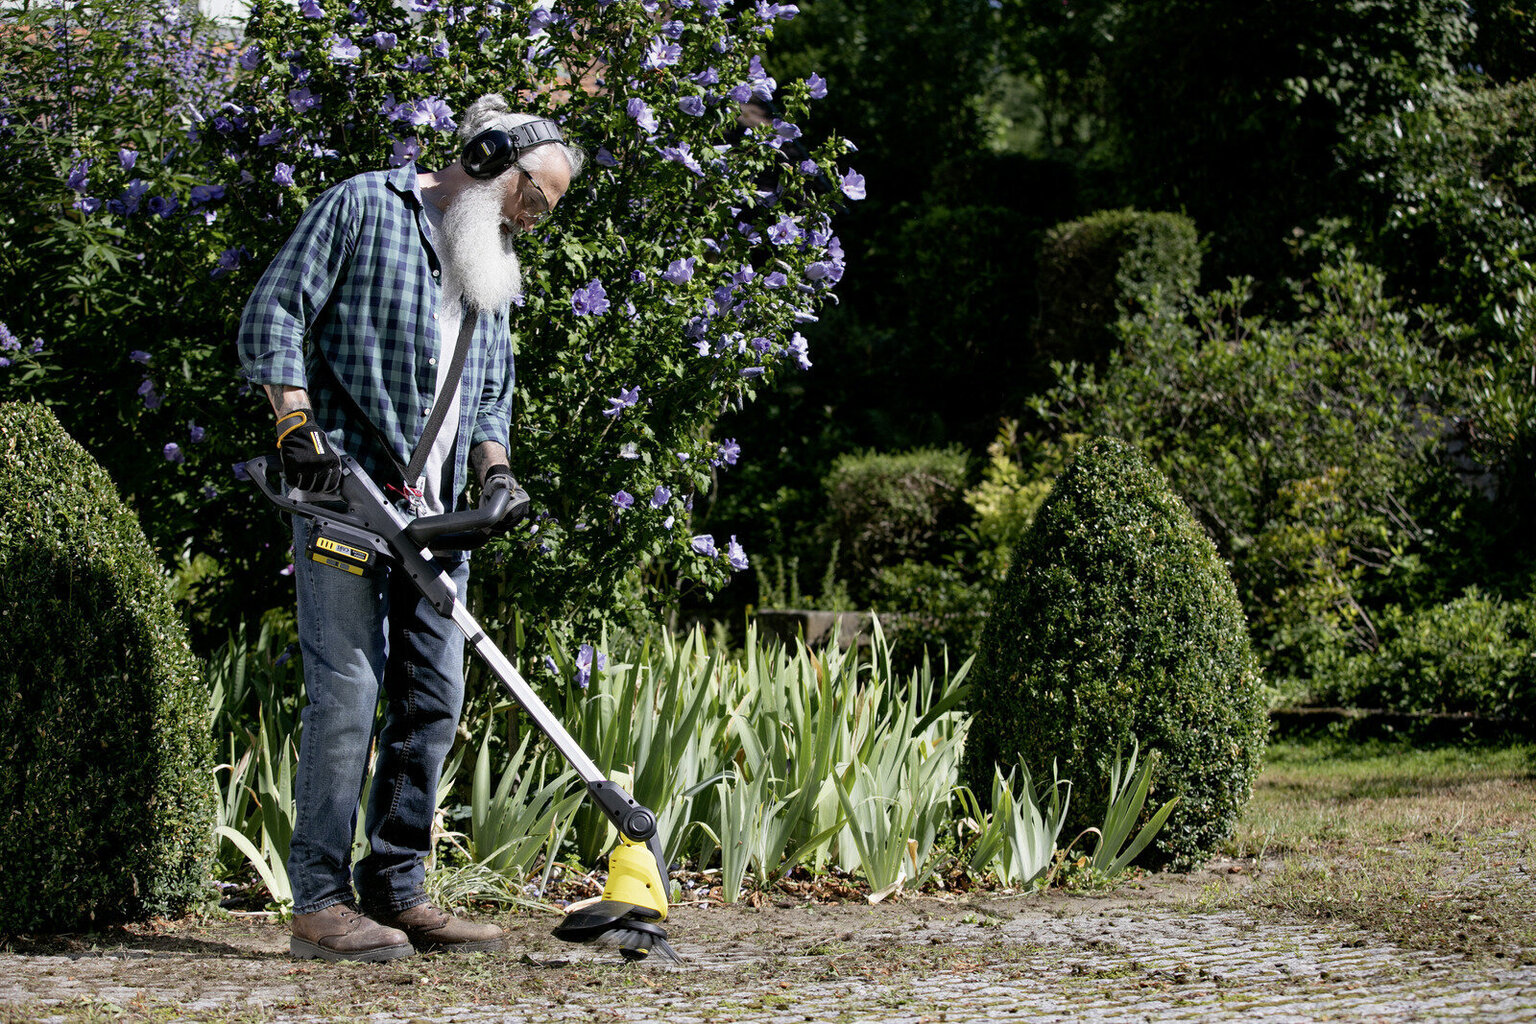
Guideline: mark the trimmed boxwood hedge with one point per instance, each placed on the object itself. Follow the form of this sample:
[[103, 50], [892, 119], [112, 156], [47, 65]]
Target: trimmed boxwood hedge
[[1118, 619], [1095, 270], [106, 788]]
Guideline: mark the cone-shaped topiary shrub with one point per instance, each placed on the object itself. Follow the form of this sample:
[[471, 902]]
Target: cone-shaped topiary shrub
[[106, 793], [1117, 619]]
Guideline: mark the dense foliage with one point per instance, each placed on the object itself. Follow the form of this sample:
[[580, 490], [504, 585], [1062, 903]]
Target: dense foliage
[[106, 802], [1111, 263], [1118, 620]]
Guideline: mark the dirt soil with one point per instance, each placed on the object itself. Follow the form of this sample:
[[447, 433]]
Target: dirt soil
[[1166, 947]]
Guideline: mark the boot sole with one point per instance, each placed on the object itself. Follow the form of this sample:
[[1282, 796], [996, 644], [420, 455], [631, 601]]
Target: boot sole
[[303, 949]]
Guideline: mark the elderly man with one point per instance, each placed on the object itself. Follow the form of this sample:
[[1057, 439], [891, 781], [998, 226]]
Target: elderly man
[[389, 301]]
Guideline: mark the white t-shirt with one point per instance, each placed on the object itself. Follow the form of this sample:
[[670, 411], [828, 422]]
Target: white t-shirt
[[450, 317]]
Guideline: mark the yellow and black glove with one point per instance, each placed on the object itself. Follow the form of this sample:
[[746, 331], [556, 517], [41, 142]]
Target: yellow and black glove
[[309, 461]]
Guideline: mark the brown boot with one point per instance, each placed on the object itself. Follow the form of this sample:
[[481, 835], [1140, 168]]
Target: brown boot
[[339, 932], [435, 931]]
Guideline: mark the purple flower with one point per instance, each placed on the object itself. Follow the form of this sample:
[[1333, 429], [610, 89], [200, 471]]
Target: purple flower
[[852, 184], [762, 84], [129, 203], [625, 400], [623, 499], [416, 62], [752, 371], [195, 432], [344, 51], [384, 40], [435, 112], [283, 175], [785, 232], [127, 157], [210, 492], [681, 154], [239, 470], [736, 555], [641, 114], [704, 544], [8, 341], [740, 93], [693, 106], [310, 9], [172, 453], [709, 76], [673, 29], [229, 260], [800, 349], [629, 450], [661, 54], [302, 99], [405, 151], [605, 158], [79, 176], [591, 300], [775, 280], [286, 570], [37, 346], [661, 496], [728, 452], [588, 661], [679, 271], [88, 204], [163, 206], [770, 11], [785, 130], [818, 86], [267, 138], [251, 58]]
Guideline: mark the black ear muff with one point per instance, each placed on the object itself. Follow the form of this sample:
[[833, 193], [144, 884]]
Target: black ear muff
[[488, 154]]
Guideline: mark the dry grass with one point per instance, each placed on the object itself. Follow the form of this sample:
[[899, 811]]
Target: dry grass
[[1433, 848]]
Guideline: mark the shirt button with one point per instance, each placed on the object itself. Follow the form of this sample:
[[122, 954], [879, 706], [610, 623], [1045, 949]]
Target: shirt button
[[434, 316], [431, 362], [426, 411]]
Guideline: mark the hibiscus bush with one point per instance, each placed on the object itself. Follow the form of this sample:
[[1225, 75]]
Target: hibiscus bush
[[667, 288]]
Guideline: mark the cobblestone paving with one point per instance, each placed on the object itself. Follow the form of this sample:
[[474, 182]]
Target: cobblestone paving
[[951, 966]]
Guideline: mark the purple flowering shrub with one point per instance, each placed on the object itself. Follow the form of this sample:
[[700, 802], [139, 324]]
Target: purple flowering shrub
[[667, 288], [117, 250]]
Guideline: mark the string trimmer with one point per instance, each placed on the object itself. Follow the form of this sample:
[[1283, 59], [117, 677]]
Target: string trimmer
[[372, 532]]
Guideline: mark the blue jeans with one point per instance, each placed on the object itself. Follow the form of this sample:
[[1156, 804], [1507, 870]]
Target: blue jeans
[[363, 635]]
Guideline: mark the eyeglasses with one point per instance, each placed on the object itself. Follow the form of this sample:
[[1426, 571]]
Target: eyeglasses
[[539, 207]]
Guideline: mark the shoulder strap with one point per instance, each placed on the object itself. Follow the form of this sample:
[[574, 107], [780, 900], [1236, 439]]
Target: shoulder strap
[[444, 399]]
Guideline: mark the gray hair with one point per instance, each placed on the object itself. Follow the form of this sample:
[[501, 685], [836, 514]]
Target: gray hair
[[493, 111]]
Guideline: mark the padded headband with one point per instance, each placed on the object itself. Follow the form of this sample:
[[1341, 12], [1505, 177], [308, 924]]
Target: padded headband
[[495, 149]]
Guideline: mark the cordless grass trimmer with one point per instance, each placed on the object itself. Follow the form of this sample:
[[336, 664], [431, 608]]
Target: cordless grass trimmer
[[371, 532]]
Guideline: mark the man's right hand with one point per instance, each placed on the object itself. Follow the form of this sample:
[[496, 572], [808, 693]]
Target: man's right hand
[[309, 461]]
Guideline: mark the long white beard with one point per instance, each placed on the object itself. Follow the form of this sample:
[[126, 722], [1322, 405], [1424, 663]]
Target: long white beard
[[478, 254]]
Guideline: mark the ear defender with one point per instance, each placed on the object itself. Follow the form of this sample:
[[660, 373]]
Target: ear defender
[[495, 149]]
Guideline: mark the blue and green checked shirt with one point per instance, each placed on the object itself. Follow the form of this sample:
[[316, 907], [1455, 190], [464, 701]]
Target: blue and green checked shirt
[[359, 281]]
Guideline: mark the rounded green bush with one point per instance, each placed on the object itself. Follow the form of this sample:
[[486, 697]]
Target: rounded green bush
[[106, 789], [1117, 619]]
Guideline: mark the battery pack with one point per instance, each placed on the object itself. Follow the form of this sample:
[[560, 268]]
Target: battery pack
[[343, 548]]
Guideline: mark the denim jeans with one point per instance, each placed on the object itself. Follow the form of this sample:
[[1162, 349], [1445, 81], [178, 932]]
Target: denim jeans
[[363, 635]]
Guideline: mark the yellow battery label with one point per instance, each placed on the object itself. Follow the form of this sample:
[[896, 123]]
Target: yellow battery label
[[354, 569], [344, 550]]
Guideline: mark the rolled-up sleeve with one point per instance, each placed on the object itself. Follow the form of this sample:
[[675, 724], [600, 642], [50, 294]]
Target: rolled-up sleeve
[[494, 419], [295, 289]]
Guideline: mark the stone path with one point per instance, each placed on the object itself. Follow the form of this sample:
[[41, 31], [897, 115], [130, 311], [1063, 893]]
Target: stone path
[[948, 963]]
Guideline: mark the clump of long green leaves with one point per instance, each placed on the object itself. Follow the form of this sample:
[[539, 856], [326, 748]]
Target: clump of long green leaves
[[1017, 840]]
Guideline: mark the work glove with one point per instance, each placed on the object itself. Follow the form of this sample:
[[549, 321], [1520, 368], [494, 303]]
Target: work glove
[[518, 505], [309, 461]]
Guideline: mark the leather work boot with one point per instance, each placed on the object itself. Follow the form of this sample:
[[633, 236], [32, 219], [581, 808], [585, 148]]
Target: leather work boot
[[435, 931], [340, 932]]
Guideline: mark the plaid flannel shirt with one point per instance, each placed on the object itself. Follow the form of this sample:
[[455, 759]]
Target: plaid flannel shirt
[[359, 280]]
